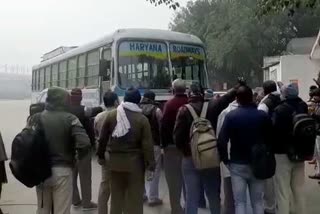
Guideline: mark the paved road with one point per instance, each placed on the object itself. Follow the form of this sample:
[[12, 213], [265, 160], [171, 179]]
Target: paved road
[[17, 199]]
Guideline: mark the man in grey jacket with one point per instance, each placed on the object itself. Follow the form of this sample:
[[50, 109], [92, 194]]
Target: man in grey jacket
[[66, 138]]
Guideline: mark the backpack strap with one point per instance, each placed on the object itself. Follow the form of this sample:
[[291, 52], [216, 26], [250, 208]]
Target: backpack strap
[[192, 111], [204, 110]]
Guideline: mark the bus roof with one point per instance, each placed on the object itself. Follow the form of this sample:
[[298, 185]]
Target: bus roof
[[163, 35]]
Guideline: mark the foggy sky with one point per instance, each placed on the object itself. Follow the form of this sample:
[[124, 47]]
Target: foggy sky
[[30, 28]]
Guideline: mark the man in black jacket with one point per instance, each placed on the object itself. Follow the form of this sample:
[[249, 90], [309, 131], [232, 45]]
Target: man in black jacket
[[83, 167], [289, 175]]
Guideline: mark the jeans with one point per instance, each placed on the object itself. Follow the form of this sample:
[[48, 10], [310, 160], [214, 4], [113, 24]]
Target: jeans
[[289, 180], [153, 185], [211, 180], [173, 173], [56, 192], [242, 178], [228, 203]]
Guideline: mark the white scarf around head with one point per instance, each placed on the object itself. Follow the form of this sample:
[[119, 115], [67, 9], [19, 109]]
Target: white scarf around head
[[123, 124]]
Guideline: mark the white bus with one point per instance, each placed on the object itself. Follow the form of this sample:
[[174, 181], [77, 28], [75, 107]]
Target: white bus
[[143, 58]]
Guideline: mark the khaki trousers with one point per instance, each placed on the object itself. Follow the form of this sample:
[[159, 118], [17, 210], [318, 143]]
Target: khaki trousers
[[56, 192], [289, 177], [104, 190], [127, 185]]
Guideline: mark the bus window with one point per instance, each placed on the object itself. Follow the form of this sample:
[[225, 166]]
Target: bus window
[[34, 72], [188, 62], [106, 65], [81, 70], [93, 68], [48, 77], [54, 73], [42, 79], [72, 73], [63, 74], [147, 65]]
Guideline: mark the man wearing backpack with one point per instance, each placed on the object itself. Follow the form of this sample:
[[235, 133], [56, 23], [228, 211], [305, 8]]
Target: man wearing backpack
[[83, 167], [245, 128], [193, 176], [268, 104], [66, 136], [290, 172], [154, 115]]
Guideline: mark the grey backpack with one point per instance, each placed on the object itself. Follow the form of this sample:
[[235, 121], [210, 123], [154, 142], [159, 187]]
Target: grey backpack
[[203, 141]]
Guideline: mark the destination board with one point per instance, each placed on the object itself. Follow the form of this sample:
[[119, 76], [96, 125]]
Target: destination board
[[152, 49], [182, 50]]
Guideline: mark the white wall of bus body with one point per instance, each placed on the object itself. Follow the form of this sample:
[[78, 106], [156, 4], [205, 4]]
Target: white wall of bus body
[[141, 34], [301, 69], [90, 97]]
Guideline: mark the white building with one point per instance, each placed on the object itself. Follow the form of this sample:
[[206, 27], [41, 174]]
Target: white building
[[300, 65]]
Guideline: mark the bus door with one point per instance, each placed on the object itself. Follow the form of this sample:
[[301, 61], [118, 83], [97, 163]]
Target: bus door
[[106, 64]]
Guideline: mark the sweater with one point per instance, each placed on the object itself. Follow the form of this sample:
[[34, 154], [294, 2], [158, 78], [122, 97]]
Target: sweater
[[244, 127]]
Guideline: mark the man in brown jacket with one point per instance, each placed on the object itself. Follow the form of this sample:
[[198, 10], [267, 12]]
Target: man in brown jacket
[[126, 134]]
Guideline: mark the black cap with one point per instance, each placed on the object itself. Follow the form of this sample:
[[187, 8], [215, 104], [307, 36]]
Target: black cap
[[132, 95]]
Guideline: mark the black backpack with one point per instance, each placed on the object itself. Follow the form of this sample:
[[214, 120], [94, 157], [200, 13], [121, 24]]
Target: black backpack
[[263, 162], [30, 158], [304, 133], [150, 111]]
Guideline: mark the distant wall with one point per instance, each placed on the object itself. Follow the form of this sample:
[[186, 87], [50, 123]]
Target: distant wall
[[300, 69]]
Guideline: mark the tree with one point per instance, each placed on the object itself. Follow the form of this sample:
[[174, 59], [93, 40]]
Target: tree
[[171, 3], [291, 6], [236, 39]]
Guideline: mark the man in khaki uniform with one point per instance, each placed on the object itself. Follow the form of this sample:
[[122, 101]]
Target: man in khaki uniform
[[126, 134], [111, 101]]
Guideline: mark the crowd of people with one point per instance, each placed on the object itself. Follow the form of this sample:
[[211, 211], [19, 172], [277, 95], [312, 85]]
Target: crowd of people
[[134, 137]]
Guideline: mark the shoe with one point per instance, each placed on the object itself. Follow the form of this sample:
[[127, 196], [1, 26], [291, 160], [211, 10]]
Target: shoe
[[315, 177], [91, 206], [155, 202], [145, 198], [78, 204]]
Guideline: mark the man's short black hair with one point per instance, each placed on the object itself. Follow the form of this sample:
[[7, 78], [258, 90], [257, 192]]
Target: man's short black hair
[[109, 98], [244, 95], [269, 86], [150, 95]]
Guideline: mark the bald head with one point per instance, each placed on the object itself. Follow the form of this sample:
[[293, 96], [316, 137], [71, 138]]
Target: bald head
[[179, 86]]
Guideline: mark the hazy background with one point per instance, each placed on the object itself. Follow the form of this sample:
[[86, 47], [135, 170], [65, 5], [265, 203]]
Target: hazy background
[[30, 28]]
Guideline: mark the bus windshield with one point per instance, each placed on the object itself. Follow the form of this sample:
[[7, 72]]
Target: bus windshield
[[188, 63], [143, 65]]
